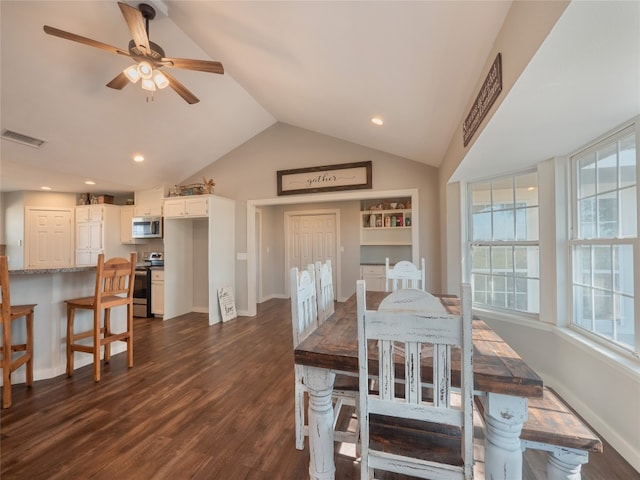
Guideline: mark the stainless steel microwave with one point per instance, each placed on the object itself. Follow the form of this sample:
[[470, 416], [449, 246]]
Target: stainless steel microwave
[[146, 227]]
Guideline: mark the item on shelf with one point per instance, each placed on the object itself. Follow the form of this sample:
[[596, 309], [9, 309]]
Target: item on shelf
[[372, 220], [192, 189], [393, 205], [208, 185], [105, 199], [401, 206], [399, 221], [387, 221], [407, 222], [378, 221], [393, 221]]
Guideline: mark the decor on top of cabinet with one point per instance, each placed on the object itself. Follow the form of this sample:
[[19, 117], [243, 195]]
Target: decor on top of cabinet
[[208, 185], [205, 188]]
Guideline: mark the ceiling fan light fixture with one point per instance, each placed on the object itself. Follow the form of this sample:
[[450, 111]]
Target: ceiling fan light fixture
[[147, 84], [144, 70], [160, 80], [132, 73]]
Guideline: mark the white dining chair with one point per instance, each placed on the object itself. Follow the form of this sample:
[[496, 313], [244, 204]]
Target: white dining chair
[[305, 320], [404, 274], [400, 431], [324, 290]]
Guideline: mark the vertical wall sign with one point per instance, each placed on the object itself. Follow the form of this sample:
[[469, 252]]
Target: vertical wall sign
[[490, 90], [347, 176]]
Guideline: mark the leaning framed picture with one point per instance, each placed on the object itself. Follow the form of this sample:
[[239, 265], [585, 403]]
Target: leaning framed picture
[[327, 178]]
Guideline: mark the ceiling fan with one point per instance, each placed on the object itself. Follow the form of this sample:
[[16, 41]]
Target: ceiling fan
[[149, 56]]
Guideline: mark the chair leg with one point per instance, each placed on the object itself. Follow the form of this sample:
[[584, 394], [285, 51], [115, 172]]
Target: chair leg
[[6, 385], [130, 337], [71, 312], [29, 349], [6, 363], [96, 345], [299, 415], [107, 333]]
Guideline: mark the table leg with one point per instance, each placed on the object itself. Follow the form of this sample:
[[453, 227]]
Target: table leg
[[320, 384], [502, 448], [565, 464]]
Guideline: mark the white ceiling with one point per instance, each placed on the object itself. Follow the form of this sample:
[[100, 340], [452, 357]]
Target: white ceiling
[[324, 66]]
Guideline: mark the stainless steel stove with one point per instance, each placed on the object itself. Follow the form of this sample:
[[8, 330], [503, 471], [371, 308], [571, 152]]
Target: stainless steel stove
[[142, 286]]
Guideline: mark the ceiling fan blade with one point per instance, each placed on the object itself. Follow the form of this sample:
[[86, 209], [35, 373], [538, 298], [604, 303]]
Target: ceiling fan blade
[[119, 82], [181, 90], [87, 41], [188, 64], [136, 24]]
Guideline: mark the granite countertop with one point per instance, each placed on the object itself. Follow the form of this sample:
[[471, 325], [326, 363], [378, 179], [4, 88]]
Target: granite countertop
[[31, 271]]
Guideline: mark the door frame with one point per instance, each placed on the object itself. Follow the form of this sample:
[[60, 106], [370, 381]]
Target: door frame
[[306, 213], [252, 304]]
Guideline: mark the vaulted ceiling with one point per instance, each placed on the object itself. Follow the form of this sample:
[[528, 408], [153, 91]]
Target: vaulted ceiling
[[323, 66]]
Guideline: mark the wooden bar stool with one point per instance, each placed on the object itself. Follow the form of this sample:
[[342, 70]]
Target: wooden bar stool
[[9, 314], [114, 287]]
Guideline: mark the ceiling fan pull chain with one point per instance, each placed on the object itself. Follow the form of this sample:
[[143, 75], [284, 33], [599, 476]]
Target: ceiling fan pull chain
[[150, 97]]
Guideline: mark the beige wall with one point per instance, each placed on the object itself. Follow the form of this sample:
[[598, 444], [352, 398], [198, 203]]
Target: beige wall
[[249, 173], [527, 25]]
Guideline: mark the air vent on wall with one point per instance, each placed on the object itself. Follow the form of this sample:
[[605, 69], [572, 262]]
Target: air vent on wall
[[22, 138]]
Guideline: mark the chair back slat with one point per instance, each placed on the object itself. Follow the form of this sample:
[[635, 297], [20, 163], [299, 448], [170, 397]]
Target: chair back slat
[[304, 315], [404, 274], [325, 295]]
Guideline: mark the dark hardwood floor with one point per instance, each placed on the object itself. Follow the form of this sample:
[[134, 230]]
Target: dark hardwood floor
[[200, 402]]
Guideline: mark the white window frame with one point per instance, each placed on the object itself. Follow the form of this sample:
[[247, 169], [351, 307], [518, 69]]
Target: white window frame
[[470, 243], [574, 241]]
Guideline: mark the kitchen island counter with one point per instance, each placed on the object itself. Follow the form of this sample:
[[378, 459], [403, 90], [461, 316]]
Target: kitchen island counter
[[48, 289]]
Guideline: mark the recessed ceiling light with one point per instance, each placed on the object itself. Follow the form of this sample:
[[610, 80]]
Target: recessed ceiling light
[[90, 182], [138, 158], [377, 121], [45, 188]]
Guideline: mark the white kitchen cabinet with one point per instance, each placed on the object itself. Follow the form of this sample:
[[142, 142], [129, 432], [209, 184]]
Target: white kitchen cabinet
[[197, 206], [127, 213], [89, 213], [374, 277], [157, 291], [200, 258], [89, 236], [148, 203], [98, 231]]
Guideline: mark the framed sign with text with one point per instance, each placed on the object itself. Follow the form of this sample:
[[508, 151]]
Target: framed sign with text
[[328, 178], [490, 90]]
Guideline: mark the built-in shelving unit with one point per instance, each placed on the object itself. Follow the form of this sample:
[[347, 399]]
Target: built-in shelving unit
[[386, 221]]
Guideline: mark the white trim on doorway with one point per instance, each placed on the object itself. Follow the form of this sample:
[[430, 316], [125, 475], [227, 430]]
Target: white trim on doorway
[[316, 198]]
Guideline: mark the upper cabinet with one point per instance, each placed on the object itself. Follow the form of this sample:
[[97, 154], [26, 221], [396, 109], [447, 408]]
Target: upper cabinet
[[89, 213], [149, 202], [386, 221], [178, 207], [98, 231], [126, 230]]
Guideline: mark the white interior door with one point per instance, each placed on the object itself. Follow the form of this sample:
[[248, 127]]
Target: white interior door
[[49, 240], [311, 238]]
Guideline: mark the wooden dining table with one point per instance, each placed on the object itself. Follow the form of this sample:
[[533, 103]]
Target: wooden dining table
[[502, 380]]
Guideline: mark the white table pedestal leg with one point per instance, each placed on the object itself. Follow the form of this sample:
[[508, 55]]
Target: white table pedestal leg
[[320, 384], [565, 465], [502, 448]]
